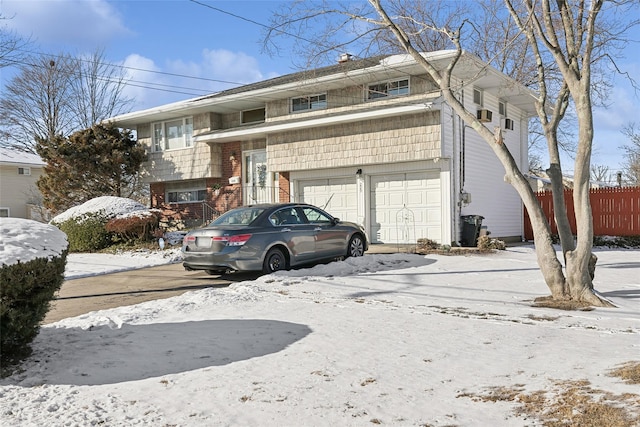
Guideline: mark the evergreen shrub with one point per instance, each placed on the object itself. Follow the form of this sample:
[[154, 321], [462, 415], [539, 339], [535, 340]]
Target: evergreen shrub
[[86, 233], [25, 295]]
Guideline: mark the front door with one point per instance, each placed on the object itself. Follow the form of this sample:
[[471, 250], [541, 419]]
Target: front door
[[257, 181]]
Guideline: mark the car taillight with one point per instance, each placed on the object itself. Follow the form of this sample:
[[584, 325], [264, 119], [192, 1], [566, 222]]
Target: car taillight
[[238, 240], [189, 239]]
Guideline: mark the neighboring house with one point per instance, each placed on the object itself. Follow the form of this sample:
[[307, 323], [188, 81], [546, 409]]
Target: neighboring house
[[540, 181], [19, 195], [370, 140]]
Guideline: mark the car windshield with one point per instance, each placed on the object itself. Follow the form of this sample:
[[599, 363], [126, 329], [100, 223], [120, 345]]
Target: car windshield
[[242, 216]]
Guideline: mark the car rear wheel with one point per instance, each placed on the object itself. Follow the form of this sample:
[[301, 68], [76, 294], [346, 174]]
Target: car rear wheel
[[274, 261], [356, 246]]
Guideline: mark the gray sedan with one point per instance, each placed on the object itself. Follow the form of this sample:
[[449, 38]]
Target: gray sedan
[[271, 237]]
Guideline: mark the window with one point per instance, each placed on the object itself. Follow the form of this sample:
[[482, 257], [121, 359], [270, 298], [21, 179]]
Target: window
[[478, 96], [314, 216], [173, 134], [4, 212], [392, 88], [24, 171], [252, 116], [304, 103], [186, 192], [186, 196], [502, 108]]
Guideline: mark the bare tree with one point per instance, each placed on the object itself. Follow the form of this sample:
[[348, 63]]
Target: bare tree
[[600, 173], [564, 41], [11, 45], [631, 167], [35, 103], [56, 95], [97, 90]]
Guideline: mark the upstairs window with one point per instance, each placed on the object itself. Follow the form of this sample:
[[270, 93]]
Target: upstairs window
[[385, 89], [24, 171], [502, 108], [173, 134], [305, 103], [252, 116], [478, 97]]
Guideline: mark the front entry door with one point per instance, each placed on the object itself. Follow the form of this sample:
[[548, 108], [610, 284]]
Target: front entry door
[[257, 181]]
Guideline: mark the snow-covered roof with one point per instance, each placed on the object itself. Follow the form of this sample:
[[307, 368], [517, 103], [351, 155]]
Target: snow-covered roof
[[11, 157], [23, 240]]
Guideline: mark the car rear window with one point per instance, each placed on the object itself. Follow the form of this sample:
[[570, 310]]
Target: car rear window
[[242, 216]]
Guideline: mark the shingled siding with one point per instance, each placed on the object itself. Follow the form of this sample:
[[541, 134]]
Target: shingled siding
[[395, 139], [199, 161]]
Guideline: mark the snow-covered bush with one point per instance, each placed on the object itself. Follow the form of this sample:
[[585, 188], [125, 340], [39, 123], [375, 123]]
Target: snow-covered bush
[[85, 225], [134, 226], [86, 234], [33, 258]]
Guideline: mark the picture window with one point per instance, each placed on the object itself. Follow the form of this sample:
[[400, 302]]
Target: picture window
[[172, 134]]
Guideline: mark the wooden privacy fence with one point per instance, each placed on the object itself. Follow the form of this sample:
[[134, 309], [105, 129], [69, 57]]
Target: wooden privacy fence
[[616, 211]]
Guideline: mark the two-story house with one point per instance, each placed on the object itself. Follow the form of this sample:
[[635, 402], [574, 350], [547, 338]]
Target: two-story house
[[370, 140], [19, 194]]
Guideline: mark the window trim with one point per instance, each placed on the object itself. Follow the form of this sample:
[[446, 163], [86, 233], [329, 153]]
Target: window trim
[[7, 210], [386, 93], [502, 108], [198, 191], [24, 170], [162, 144], [480, 93], [310, 104]]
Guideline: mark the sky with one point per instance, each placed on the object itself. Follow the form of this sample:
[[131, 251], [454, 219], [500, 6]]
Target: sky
[[219, 44], [397, 339]]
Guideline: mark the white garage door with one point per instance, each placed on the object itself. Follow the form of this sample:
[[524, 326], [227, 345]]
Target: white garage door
[[405, 207], [337, 196]]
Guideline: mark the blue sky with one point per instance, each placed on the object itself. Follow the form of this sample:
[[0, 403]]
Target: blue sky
[[183, 38]]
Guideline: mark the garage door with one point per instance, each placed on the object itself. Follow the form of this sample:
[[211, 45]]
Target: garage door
[[405, 207], [336, 195]]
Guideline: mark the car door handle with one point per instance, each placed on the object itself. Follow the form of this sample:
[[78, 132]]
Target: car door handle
[[317, 229], [285, 229]]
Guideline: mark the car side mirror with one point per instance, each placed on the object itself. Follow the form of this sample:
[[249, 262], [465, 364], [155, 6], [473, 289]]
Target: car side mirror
[[335, 221]]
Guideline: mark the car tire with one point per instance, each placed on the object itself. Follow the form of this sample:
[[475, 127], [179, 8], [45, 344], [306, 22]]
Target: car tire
[[274, 261], [355, 247]]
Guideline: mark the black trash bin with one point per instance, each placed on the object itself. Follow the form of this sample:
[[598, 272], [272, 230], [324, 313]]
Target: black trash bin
[[471, 225]]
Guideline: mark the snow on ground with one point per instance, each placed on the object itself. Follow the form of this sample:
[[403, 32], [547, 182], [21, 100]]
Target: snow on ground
[[400, 339]]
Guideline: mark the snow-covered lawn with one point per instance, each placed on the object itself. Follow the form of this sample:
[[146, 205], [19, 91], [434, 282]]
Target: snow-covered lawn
[[403, 340]]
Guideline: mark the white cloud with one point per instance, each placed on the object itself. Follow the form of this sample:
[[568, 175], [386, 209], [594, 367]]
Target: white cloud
[[146, 86], [215, 71], [227, 68], [78, 22]]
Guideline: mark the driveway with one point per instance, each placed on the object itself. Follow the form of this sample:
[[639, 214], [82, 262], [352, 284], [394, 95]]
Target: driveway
[[80, 296]]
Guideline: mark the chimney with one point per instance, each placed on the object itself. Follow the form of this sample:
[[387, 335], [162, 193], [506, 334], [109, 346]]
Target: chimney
[[345, 57]]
